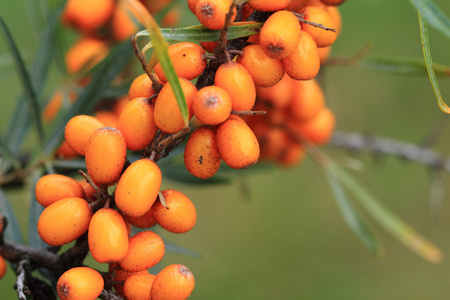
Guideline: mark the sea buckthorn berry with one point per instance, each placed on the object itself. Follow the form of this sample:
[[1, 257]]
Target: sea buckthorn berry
[[296, 5], [138, 286], [88, 15], [78, 130], [264, 70], [179, 214], [120, 276], [138, 187], [89, 191], [81, 283], [64, 221], [335, 15], [273, 142], [167, 114], [187, 59], [237, 81], [307, 100], [318, 129], [145, 250], [322, 37], [147, 220], [53, 187], [201, 154], [85, 54], [304, 62], [209, 46], [269, 5], [108, 118], [64, 151], [279, 95], [174, 282], [292, 154], [280, 34], [107, 236], [141, 87], [54, 105], [254, 39], [211, 105], [122, 24], [237, 144], [137, 124], [105, 155], [333, 2], [2, 266], [246, 11], [192, 4], [212, 13], [324, 54]]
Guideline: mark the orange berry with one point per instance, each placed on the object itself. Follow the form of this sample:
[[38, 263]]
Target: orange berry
[[318, 129], [212, 13], [105, 155], [54, 187], [120, 105], [273, 142], [64, 221], [2, 266], [108, 118], [147, 220], [296, 5], [278, 95], [307, 100], [78, 130], [246, 11], [264, 70], [324, 54], [174, 282], [138, 187], [85, 54], [209, 46], [108, 236], [89, 192], [156, 6], [187, 59], [137, 124], [145, 250], [122, 24], [80, 283], [269, 5], [291, 155], [64, 151], [335, 15], [211, 105], [88, 15], [237, 81], [333, 2], [237, 144], [304, 62], [121, 275], [141, 87], [322, 37], [172, 17], [192, 4], [179, 214], [167, 114], [280, 34], [138, 286], [54, 105], [253, 39], [201, 154]]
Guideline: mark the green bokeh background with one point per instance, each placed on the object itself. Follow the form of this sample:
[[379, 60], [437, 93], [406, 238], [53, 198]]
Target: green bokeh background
[[286, 239]]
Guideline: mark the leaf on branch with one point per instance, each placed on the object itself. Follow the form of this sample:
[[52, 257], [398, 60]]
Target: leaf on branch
[[433, 14], [12, 231], [7, 155]]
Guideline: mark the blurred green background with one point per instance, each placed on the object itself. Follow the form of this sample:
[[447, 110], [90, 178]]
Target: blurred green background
[[286, 238]]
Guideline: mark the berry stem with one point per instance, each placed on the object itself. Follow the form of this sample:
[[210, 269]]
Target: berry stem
[[301, 19], [249, 112]]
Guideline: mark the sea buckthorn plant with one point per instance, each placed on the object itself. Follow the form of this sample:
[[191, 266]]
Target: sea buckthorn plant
[[239, 90]]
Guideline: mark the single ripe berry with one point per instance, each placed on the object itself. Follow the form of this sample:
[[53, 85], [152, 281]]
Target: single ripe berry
[[306, 100], [107, 236], [280, 34], [291, 155], [212, 13], [209, 46], [125, 19], [192, 4], [179, 214], [174, 282], [2, 266], [105, 155], [108, 118], [88, 15], [201, 154], [211, 105], [55, 103], [81, 283], [78, 130], [269, 5], [145, 250], [324, 54], [89, 191], [141, 87], [53, 187], [187, 59], [138, 187], [147, 220], [138, 286], [64, 151], [85, 54], [120, 276], [238, 82], [64, 221], [318, 129], [278, 95], [137, 123], [322, 37]]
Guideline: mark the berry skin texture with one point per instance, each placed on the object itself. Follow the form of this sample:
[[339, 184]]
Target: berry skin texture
[[64, 151], [211, 105], [304, 62], [145, 250], [179, 215], [80, 283], [121, 275], [88, 15], [264, 70], [167, 114], [138, 187], [212, 13], [323, 38], [174, 282], [107, 236], [64, 221], [280, 34], [141, 87], [2, 267], [269, 5], [138, 286], [201, 154], [237, 143], [53, 187], [147, 220], [307, 100], [187, 59], [105, 155], [85, 54], [137, 124], [333, 2], [238, 82], [78, 130]]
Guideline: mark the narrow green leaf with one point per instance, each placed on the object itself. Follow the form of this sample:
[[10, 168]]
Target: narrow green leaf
[[174, 248], [35, 211], [31, 96], [12, 231], [180, 174], [433, 14], [72, 164], [354, 219], [386, 218], [429, 62], [8, 155]]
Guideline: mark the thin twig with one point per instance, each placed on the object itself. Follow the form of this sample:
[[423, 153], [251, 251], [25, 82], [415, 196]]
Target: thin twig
[[301, 19], [109, 295], [249, 112], [221, 49], [22, 272]]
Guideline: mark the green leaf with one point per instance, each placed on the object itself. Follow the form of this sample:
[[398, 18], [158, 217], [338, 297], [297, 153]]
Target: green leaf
[[429, 62], [354, 219], [34, 213], [31, 96], [71, 164], [12, 231], [386, 218], [8, 155], [180, 174], [433, 14]]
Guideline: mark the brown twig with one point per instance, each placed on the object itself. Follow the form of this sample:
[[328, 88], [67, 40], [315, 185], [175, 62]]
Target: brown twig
[[249, 112], [109, 295], [318, 25], [23, 271]]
